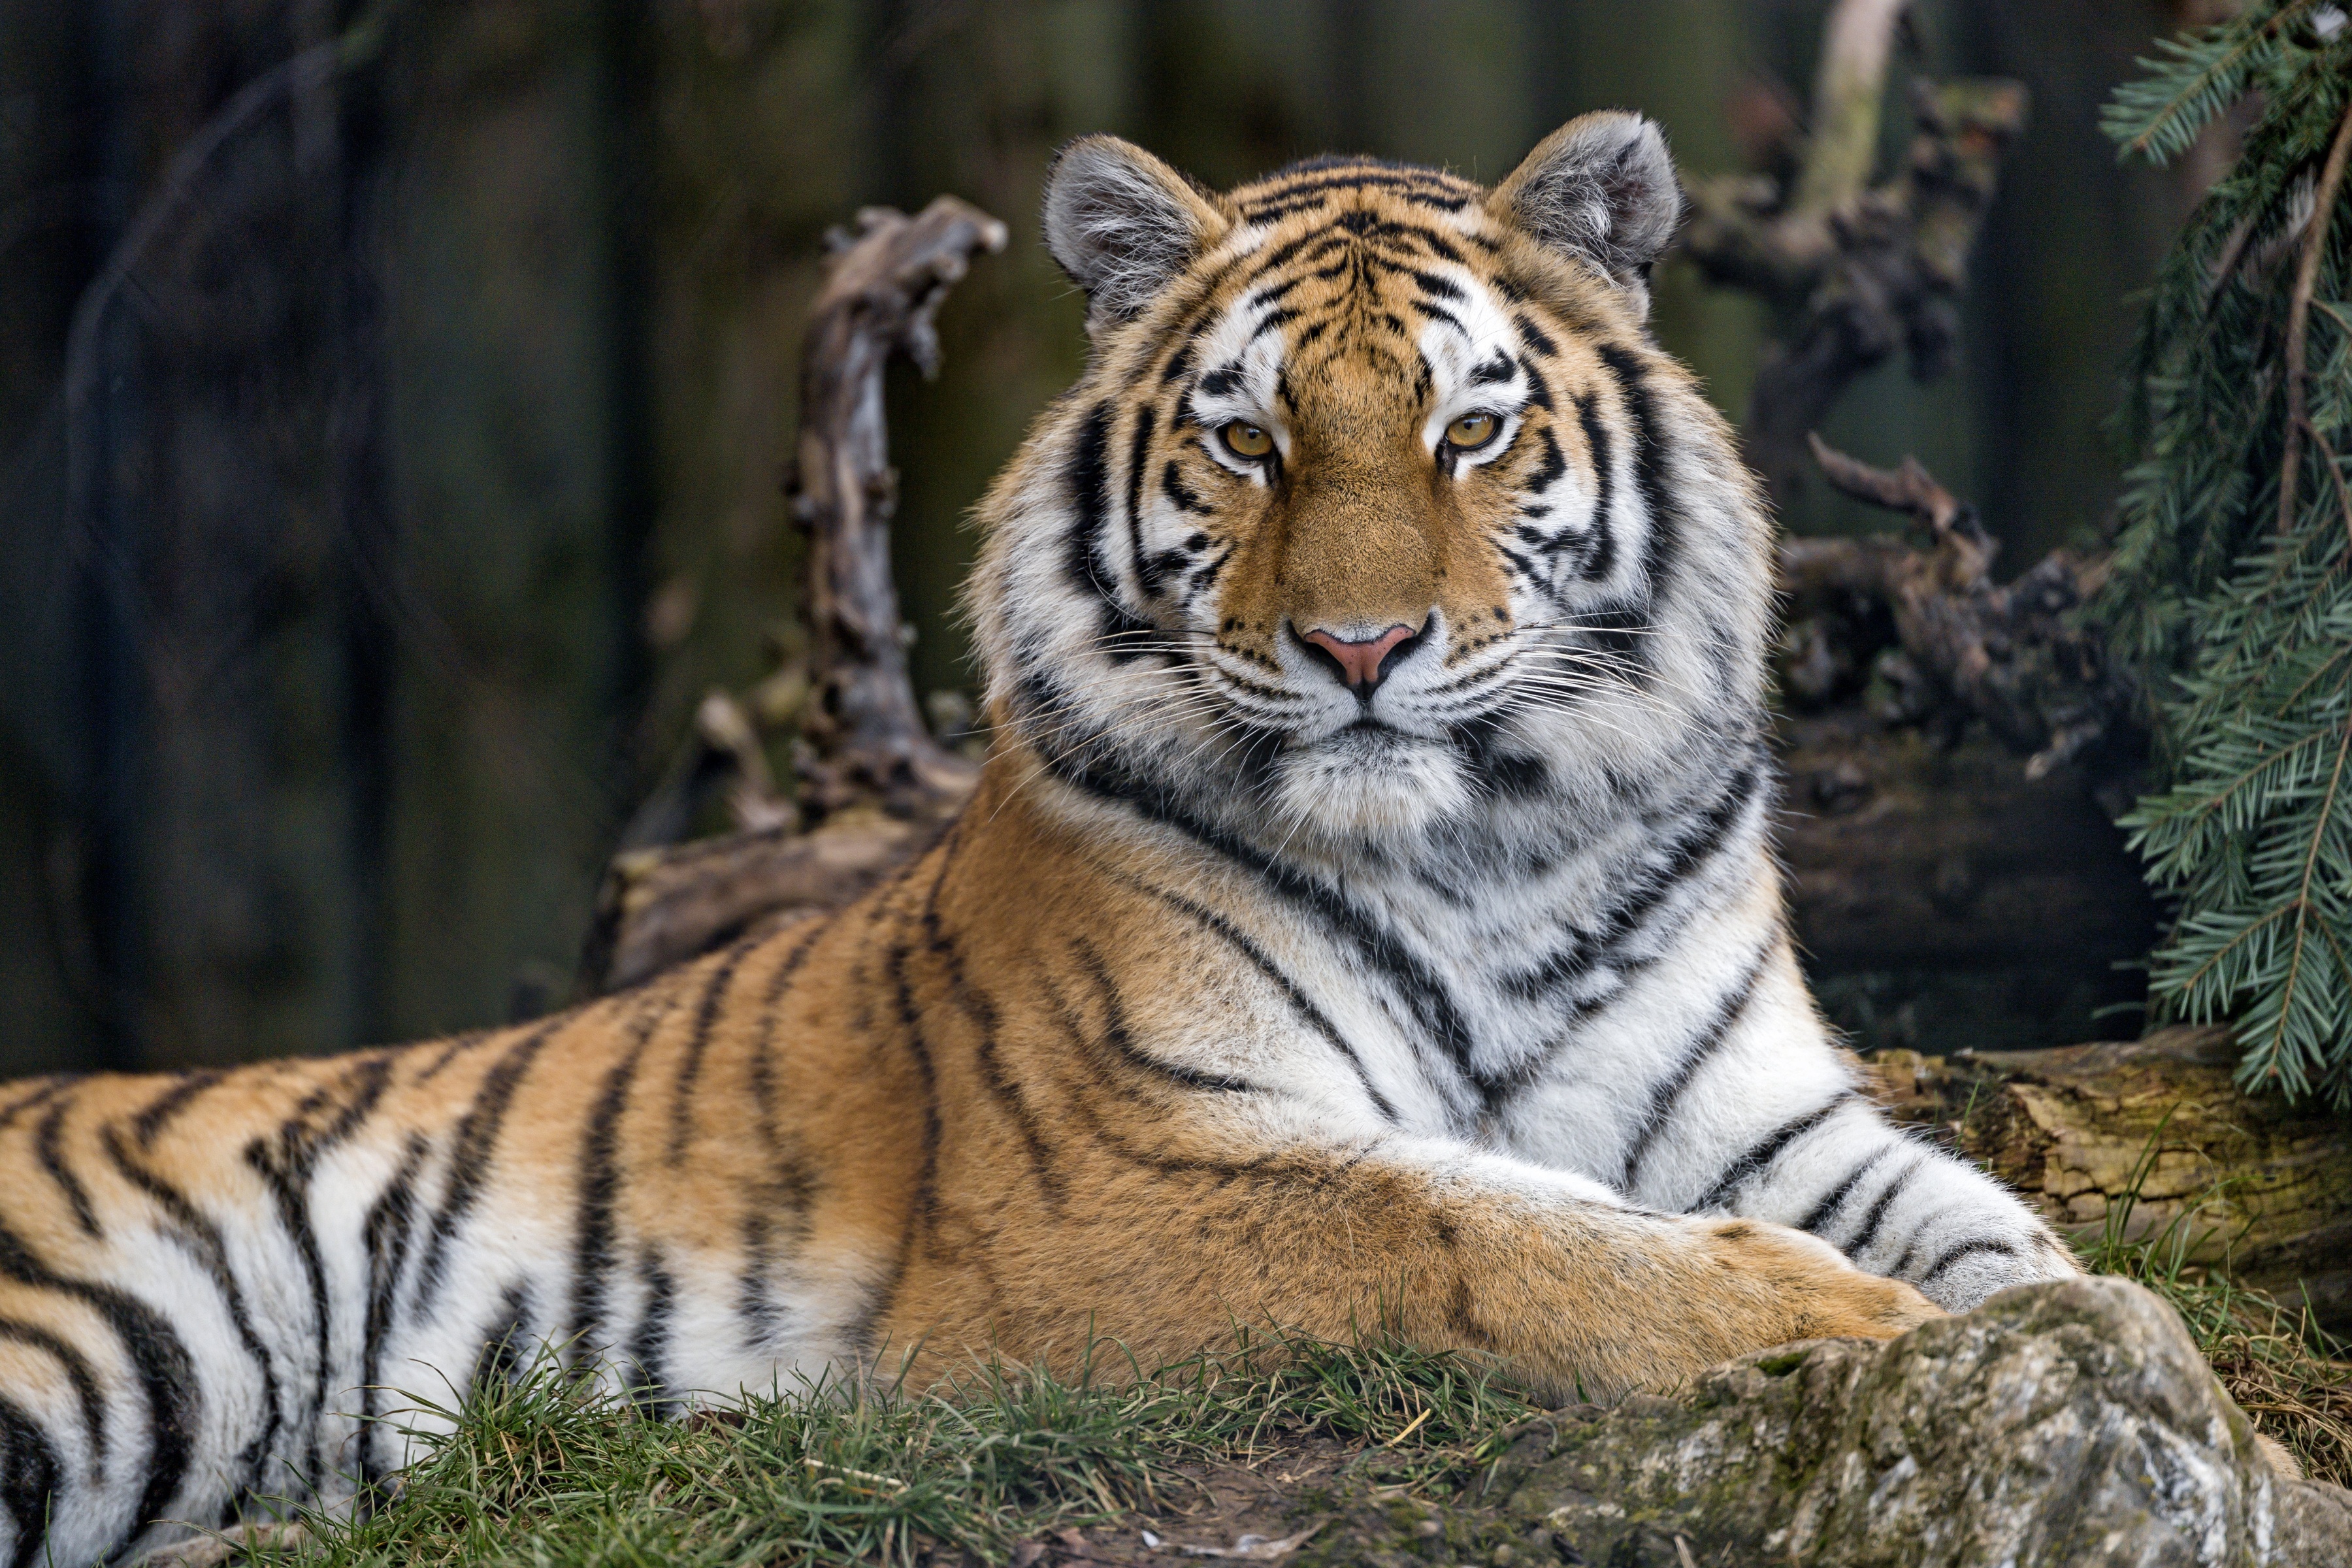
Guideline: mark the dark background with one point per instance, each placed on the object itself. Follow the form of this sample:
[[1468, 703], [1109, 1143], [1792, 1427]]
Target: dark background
[[392, 399]]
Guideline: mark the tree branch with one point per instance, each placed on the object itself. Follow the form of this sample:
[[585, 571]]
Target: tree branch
[[1863, 271], [2298, 317], [2012, 656], [878, 788], [881, 292]]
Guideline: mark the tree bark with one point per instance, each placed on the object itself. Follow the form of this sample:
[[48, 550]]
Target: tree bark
[[1904, 852], [2153, 1137], [880, 295]]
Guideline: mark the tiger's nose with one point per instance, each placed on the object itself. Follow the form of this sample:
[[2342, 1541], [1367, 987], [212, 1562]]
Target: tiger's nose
[[1362, 665]]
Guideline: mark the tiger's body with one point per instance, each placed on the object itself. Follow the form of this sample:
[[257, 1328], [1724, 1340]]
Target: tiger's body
[[1367, 913]]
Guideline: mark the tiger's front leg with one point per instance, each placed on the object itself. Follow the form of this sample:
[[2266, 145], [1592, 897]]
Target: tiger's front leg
[[1771, 1123], [1165, 1241]]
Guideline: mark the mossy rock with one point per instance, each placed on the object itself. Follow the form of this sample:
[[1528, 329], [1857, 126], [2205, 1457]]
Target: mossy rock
[[2068, 1424]]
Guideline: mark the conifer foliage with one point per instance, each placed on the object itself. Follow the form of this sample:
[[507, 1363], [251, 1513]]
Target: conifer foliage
[[2229, 603]]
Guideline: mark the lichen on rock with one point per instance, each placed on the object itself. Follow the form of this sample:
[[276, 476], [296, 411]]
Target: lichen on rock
[[2071, 1423]]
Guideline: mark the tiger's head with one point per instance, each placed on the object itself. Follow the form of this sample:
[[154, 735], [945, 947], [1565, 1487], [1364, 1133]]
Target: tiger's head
[[1376, 509]]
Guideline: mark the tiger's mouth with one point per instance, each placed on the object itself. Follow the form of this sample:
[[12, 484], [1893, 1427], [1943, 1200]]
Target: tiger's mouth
[[1368, 777]]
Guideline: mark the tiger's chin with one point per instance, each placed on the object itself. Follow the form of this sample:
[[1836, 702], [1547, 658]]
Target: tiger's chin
[[1364, 783]]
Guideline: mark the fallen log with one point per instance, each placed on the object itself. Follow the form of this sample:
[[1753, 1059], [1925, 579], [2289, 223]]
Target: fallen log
[[2153, 1138], [1904, 851]]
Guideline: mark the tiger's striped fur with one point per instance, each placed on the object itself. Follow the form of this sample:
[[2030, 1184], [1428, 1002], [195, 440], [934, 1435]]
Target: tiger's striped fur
[[1265, 977]]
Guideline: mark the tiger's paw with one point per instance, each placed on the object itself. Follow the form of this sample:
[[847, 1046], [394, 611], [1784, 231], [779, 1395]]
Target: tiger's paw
[[1809, 1290]]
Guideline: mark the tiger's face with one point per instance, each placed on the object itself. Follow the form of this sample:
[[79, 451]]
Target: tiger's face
[[1357, 523]]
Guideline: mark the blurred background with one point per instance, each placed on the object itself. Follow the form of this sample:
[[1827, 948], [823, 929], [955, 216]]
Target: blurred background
[[393, 397]]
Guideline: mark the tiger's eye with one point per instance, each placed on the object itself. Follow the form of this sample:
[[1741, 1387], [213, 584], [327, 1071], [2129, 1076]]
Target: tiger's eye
[[1247, 440], [1472, 431]]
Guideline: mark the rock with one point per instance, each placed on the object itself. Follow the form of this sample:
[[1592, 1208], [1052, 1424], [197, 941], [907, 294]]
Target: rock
[[2071, 1423]]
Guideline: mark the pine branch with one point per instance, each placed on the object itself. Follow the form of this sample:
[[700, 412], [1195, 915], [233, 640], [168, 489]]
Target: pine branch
[[2160, 118], [2229, 600]]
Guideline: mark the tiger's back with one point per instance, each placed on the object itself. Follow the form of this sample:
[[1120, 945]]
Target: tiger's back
[[1367, 913]]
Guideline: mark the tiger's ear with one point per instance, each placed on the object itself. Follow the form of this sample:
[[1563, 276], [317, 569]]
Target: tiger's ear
[[1123, 224], [1601, 188]]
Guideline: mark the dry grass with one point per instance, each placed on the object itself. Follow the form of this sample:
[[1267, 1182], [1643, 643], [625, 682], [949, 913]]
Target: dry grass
[[2292, 1379]]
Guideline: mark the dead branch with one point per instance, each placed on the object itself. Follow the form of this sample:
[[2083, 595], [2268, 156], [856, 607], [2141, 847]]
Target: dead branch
[[2015, 656], [875, 784], [662, 906], [1865, 271], [881, 292]]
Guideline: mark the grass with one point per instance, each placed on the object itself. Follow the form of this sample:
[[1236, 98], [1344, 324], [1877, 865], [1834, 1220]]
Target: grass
[[551, 1470], [2289, 1376]]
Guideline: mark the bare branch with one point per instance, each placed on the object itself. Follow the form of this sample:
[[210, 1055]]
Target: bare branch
[[1855, 42], [881, 293], [2298, 318], [867, 747]]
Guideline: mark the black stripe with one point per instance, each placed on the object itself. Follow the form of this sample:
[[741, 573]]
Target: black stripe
[[475, 1141], [649, 1346], [762, 1068], [505, 1338], [46, 1144], [1539, 389], [1728, 1010], [1138, 459], [1445, 288], [385, 1233], [1504, 774], [1834, 1201], [1602, 559], [286, 1164], [789, 1187], [201, 1241], [450, 1052], [78, 1372], [1759, 1157], [1087, 475], [919, 1214], [1661, 540], [1273, 320], [40, 1096], [151, 1121], [28, 1481], [1538, 343], [975, 1005], [1100, 771], [689, 1066], [166, 1376], [1317, 1019], [599, 1187], [1172, 485], [1964, 1249], [1588, 950], [1121, 1039], [1551, 465], [1877, 1217]]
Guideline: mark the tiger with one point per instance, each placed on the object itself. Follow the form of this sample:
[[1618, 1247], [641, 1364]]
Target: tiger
[[1366, 920]]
